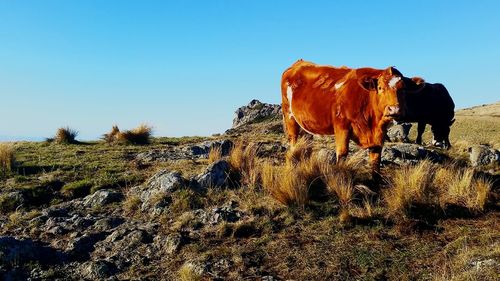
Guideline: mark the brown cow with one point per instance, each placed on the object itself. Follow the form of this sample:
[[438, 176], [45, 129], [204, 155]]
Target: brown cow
[[353, 104]]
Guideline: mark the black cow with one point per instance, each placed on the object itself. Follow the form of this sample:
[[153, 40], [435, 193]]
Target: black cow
[[428, 103]]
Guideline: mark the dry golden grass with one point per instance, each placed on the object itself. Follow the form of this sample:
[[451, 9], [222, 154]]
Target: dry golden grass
[[284, 185], [432, 185], [132, 203], [138, 136], [290, 184], [188, 272], [340, 182], [6, 157], [112, 135], [301, 150], [244, 161], [410, 184], [457, 186], [215, 154], [65, 136]]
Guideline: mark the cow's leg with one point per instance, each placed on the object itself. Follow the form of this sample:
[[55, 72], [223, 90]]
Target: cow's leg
[[292, 128], [447, 144], [374, 155], [341, 143], [420, 132]]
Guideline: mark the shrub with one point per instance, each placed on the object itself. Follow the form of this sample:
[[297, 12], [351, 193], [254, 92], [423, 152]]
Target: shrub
[[215, 154], [289, 184], [138, 136], [340, 181], [457, 186], [301, 150], [65, 136], [243, 161], [111, 137], [409, 185], [6, 158], [76, 189]]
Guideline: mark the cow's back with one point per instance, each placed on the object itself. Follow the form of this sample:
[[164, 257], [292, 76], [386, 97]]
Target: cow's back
[[310, 92], [431, 104]]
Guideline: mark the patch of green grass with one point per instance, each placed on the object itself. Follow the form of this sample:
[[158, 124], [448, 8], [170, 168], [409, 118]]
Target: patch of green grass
[[76, 189]]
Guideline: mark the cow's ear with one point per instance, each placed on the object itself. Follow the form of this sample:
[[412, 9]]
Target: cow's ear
[[418, 80], [369, 83]]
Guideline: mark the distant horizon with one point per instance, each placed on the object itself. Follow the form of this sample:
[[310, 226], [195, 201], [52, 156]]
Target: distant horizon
[[185, 66], [6, 138]]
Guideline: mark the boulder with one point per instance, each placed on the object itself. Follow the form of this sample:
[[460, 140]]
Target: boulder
[[155, 194], [215, 175], [481, 155], [254, 112], [166, 181], [409, 153], [102, 197], [399, 132]]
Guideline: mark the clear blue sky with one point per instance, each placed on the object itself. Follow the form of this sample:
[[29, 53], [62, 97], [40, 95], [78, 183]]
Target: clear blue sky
[[185, 66]]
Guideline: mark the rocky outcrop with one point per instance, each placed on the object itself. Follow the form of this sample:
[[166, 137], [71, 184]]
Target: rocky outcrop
[[190, 151], [254, 112], [202, 149], [409, 153], [481, 155]]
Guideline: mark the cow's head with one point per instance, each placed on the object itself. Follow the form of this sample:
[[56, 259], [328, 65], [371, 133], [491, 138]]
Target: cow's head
[[387, 86], [441, 132]]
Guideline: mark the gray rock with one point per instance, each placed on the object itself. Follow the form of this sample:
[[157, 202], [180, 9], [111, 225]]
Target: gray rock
[[409, 153], [159, 155], [254, 112], [226, 213], [155, 194], [166, 181], [202, 149], [80, 247], [196, 267], [215, 175], [399, 132], [480, 155], [481, 264], [11, 200], [102, 197], [172, 243], [99, 269]]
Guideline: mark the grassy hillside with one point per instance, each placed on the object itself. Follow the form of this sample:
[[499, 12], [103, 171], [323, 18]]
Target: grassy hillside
[[303, 219]]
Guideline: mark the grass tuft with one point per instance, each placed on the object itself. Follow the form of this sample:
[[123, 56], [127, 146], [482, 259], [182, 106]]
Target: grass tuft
[[215, 154], [111, 137], [76, 189], [458, 186], [300, 151], [188, 272], [65, 135], [138, 136], [409, 185], [6, 158], [243, 160]]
